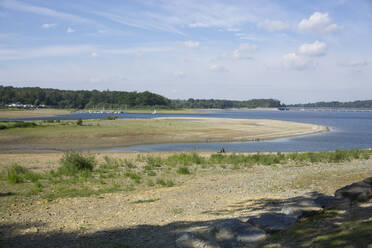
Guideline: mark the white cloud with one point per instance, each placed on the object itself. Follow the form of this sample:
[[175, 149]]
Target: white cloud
[[274, 25], [313, 49], [356, 63], [218, 68], [179, 74], [244, 51], [70, 30], [191, 44], [48, 25], [319, 22], [20, 6], [296, 62]]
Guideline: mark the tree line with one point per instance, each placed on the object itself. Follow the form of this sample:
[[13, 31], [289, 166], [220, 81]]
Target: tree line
[[335, 104], [90, 99], [224, 104], [80, 99]]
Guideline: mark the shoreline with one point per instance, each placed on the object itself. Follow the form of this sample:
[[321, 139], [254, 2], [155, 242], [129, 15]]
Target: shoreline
[[104, 134]]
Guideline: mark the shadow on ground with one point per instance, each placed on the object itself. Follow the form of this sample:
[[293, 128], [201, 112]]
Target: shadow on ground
[[332, 228]]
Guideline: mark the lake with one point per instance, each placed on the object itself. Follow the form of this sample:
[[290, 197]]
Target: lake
[[348, 130]]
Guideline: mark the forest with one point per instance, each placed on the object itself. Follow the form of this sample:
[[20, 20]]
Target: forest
[[85, 99]]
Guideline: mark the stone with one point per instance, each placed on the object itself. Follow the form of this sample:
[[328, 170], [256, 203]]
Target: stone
[[356, 192], [234, 233], [368, 180], [192, 240], [272, 222]]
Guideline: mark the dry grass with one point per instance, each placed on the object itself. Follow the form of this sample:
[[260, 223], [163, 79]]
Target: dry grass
[[126, 132], [32, 113]]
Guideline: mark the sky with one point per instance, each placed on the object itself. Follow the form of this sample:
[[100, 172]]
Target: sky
[[296, 51]]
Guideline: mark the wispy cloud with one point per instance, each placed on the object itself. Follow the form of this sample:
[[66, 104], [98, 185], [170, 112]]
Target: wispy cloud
[[218, 68], [24, 7], [274, 25], [244, 51], [355, 63], [147, 21], [47, 51], [191, 44], [48, 25], [70, 30]]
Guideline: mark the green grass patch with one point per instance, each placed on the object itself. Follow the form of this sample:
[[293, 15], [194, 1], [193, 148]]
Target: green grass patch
[[183, 171], [145, 201]]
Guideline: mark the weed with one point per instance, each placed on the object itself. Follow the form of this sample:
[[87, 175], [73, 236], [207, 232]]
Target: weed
[[145, 201], [177, 210], [134, 176], [183, 171], [18, 174], [150, 183], [74, 162]]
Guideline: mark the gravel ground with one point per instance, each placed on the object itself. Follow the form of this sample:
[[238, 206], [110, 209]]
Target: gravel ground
[[114, 220]]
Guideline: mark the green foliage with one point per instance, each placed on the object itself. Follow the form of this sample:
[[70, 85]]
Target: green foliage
[[81, 99], [75, 162], [18, 124], [215, 103], [183, 171], [79, 122], [18, 174], [145, 201], [134, 176], [112, 117]]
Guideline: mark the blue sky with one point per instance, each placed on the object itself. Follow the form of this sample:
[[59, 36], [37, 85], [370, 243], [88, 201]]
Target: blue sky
[[294, 51]]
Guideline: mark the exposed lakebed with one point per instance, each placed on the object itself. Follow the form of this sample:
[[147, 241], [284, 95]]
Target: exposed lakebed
[[348, 130]]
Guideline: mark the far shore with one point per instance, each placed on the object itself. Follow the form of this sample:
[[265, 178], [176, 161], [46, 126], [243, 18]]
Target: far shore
[[104, 134]]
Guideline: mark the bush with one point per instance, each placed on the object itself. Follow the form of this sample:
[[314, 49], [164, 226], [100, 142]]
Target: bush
[[79, 122], [74, 162]]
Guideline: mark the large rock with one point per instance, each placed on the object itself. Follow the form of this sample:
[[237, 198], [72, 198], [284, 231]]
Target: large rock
[[234, 233], [193, 240], [272, 222], [225, 234], [356, 192]]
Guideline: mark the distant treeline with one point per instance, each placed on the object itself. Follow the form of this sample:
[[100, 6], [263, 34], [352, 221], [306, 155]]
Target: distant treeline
[[80, 99], [223, 104], [84, 99], [355, 104]]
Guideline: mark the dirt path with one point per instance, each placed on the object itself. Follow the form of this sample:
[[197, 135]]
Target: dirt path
[[115, 218]]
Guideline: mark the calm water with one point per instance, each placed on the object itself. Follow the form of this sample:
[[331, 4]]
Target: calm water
[[348, 130]]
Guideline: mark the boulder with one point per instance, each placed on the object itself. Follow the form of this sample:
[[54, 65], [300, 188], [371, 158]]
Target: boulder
[[193, 240], [272, 222], [234, 233], [356, 192], [229, 233]]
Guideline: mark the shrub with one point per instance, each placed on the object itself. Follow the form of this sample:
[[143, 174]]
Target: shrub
[[112, 117], [79, 122], [74, 162]]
